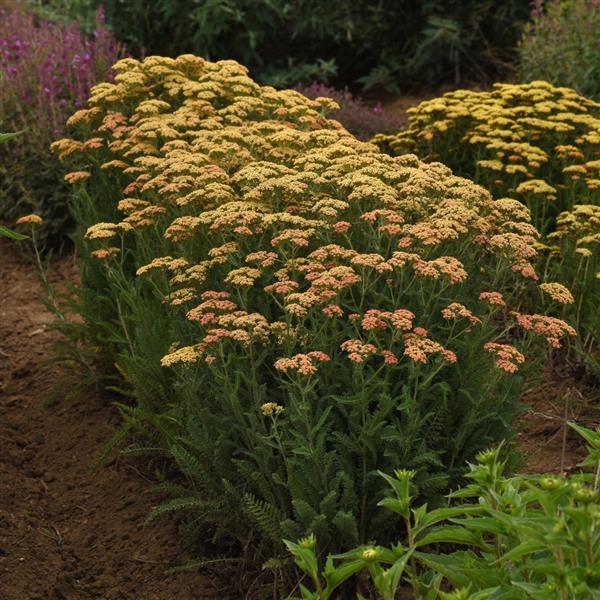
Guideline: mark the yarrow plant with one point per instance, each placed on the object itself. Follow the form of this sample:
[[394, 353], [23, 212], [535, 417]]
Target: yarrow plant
[[294, 309], [46, 72], [538, 144]]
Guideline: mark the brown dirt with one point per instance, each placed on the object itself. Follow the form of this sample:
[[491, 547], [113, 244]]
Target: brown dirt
[[66, 532], [548, 443]]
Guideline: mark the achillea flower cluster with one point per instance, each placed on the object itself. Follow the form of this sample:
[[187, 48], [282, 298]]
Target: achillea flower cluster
[[303, 364], [76, 176], [29, 220], [358, 351], [455, 310], [418, 347], [558, 292], [105, 231], [271, 409], [551, 328], [105, 253], [493, 298], [534, 140], [507, 357], [186, 355], [399, 320]]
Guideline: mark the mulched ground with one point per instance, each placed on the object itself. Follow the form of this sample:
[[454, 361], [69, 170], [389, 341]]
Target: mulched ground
[[69, 533], [66, 532]]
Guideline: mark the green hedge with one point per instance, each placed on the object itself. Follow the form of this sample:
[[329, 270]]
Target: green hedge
[[390, 43]]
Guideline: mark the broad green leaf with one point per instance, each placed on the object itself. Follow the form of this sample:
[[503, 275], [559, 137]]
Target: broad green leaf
[[453, 534], [485, 524], [13, 235], [442, 514], [335, 576], [390, 578], [590, 436], [524, 548]]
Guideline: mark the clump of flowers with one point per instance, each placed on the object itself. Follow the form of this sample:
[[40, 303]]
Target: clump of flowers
[[372, 335], [538, 144], [47, 70], [533, 142]]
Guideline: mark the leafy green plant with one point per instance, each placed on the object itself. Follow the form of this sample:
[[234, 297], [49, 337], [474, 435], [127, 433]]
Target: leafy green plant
[[5, 231], [560, 45], [519, 537], [290, 309]]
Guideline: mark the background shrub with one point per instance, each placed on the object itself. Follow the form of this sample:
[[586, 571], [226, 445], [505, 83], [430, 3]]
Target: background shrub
[[359, 118], [560, 45], [46, 72], [368, 43], [306, 309], [539, 144]]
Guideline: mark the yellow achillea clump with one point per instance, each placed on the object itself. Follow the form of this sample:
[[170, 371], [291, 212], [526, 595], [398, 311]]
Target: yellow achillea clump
[[558, 292], [535, 141], [274, 260], [261, 198]]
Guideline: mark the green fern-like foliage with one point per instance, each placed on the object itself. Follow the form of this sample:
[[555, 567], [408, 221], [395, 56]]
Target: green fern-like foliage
[[266, 517]]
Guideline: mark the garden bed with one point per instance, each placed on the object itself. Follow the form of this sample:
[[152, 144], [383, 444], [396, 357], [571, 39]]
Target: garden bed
[[68, 532]]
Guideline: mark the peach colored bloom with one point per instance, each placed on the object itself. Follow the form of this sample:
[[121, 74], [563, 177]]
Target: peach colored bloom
[[455, 310], [550, 328], [76, 176], [507, 357], [29, 220], [494, 298], [389, 358], [358, 351], [303, 364], [341, 227], [418, 347]]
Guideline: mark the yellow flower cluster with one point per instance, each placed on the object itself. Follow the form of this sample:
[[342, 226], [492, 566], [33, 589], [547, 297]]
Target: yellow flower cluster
[[535, 141]]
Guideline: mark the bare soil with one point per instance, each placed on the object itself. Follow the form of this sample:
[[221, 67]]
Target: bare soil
[[549, 445], [67, 532]]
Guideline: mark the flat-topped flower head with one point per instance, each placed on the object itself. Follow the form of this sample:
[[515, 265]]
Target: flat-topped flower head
[[507, 357], [551, 328], [29, 220], [302, 364], [557, 292]]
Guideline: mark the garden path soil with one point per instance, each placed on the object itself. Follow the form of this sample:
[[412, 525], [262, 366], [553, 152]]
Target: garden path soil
[[67, 533]]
